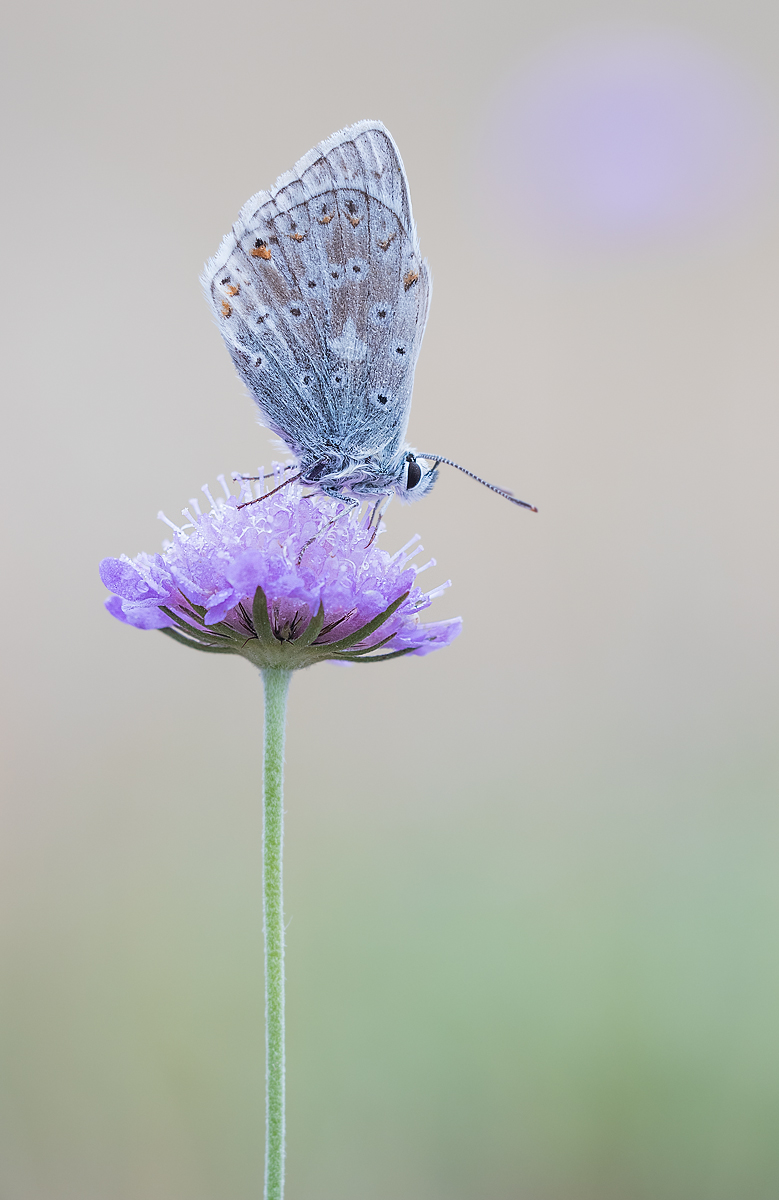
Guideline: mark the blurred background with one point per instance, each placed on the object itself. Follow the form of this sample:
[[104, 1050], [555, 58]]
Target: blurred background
[[532, 880]]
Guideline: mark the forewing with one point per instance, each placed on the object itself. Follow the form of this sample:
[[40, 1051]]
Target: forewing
[[322, 297]]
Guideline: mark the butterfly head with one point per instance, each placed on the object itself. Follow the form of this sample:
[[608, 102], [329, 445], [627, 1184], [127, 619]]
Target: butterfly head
[[417, 479]]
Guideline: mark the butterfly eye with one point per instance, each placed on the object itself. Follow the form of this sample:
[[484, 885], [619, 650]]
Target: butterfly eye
[[413, 473]]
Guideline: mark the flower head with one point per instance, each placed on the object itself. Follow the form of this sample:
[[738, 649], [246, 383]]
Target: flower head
[[285, 582]]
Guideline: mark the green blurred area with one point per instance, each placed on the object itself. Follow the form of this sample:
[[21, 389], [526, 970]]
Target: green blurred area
[[516, 991]]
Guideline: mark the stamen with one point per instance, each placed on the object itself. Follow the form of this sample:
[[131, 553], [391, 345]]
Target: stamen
[[431, 563], [206, 492], [408, 545], [439, 591], [193, 503], [221, 479], [161, 516], [419, 550]]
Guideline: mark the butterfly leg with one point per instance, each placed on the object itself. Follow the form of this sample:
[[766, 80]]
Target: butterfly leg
[[334, 494], [348, 500], [272, 492], [377, 513]]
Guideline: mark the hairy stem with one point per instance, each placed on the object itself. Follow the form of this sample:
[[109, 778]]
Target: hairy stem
[[276, 683]]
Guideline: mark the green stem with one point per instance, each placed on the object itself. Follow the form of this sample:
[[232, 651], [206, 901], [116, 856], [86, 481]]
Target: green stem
[[276, 683]]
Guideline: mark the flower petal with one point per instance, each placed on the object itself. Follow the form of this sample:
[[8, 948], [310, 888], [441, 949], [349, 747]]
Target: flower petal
[[305, 554]]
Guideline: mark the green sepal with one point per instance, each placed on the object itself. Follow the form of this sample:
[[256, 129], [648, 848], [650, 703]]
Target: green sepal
[[268, 650], [358, 658], [201, 631], [260, 617], [368, 649], [313, 629], [198, 610], [187, 641], [199, 613], [370, 627]]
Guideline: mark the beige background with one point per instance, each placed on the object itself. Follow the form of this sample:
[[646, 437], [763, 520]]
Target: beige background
[[531, 880]]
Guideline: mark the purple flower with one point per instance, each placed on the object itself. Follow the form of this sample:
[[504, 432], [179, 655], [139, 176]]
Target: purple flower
[[285, 582]]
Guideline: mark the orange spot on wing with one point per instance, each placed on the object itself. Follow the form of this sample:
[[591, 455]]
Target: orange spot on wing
[[409, 279], [297, 237], [326, 220], [232, 290], [226, 310], [260, 250], [385, 245], [354, 221]]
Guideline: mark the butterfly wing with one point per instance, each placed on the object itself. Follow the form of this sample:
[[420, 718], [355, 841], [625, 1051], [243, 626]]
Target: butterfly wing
[[321, 296]]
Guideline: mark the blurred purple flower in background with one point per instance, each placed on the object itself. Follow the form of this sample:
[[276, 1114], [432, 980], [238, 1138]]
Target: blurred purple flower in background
[[325, 592], [627, 138]]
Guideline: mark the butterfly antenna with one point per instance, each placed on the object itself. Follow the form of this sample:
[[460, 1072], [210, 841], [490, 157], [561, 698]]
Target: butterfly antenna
[[493, 487]]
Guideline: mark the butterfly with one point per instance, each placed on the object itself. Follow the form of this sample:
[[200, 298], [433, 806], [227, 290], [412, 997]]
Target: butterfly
[[321, 296]]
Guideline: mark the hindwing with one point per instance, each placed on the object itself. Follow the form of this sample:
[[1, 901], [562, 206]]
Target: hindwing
[[321, 296]]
